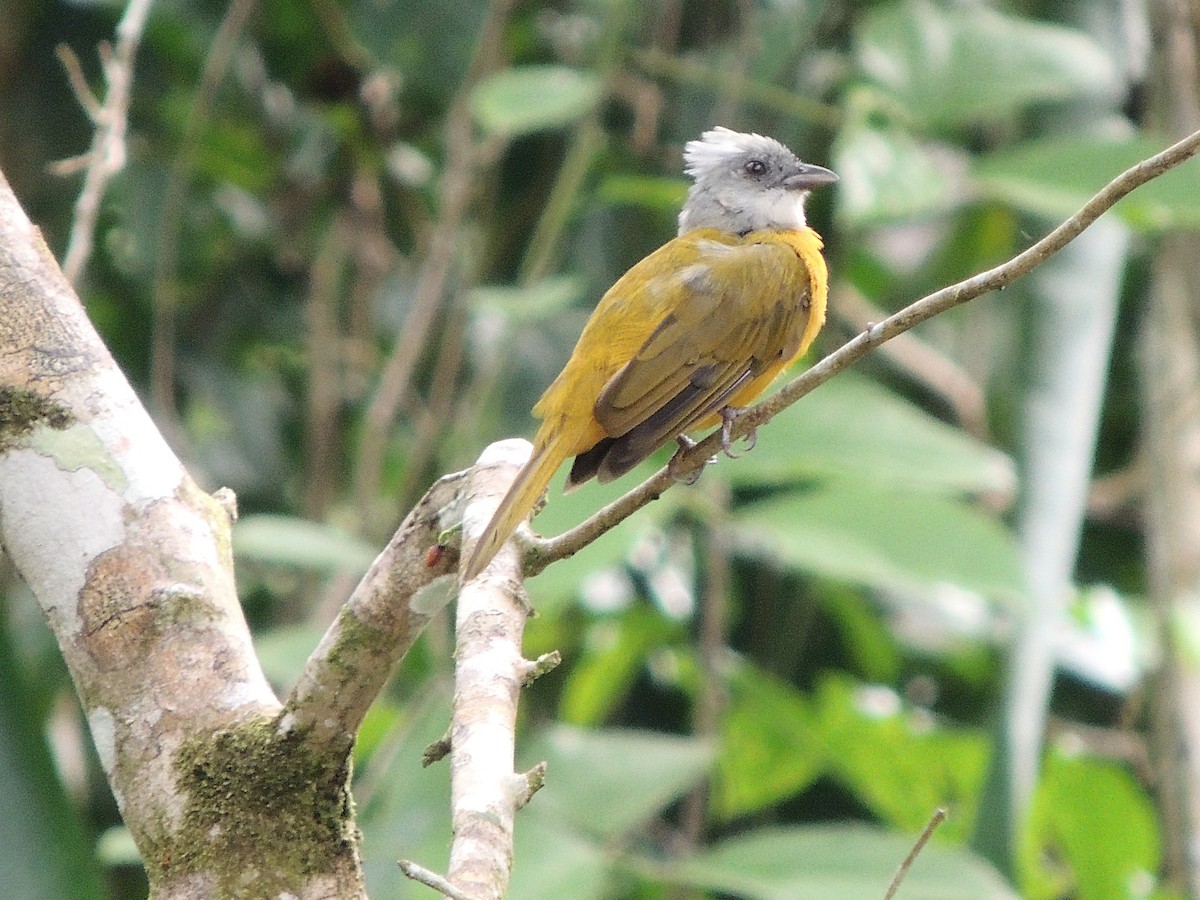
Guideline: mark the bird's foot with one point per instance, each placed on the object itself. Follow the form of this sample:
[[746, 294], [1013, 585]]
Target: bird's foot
[[729, 415], [685, 444]]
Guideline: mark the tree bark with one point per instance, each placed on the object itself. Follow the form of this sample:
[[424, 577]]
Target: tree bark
[[1170, 366], [131, 564]]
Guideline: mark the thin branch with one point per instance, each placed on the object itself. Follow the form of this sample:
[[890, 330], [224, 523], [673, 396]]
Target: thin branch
[[713, 638], [466, 159], [769, 96], [938, 817], [166, 288], [377, 626], [920, 361], [432, 879], [107, 154], [485, 792], [543, 665], [541, 552], [78, 81], [324, 383]]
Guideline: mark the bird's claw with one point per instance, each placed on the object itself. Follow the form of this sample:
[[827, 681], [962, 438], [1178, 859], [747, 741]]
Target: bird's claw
[[685, 444], [729, 415]]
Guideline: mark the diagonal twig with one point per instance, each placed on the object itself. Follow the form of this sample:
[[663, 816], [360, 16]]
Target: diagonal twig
[[541, 552], [938, 817]]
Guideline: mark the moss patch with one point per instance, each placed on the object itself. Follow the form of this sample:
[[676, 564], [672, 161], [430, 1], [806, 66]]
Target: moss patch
[[21, 410], [262, 814]]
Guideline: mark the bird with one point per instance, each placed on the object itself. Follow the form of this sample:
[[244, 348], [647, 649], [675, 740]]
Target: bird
[[689, 335]]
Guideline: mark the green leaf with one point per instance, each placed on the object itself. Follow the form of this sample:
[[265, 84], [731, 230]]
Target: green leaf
[[615, 652], [402, 805], [226, 150], [836, 863], [1055, 176], [605, 783], [1092, 832], [769, 750], [116, 847], [661, 194], [299, 543], [862, 533], [47, 850], [283, 650], [552, 860], [532, 302], [526, 99], [558, 585], [958, 65], [852, 427], [869, 638], [888, 175], [894, 761]]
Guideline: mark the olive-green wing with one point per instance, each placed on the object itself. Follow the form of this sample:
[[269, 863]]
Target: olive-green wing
[[732, 314]]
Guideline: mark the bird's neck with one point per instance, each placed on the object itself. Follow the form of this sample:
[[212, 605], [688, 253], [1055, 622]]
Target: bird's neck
[[743, 213]]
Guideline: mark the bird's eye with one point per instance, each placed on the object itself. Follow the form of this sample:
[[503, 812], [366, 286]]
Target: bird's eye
[[756, 168]]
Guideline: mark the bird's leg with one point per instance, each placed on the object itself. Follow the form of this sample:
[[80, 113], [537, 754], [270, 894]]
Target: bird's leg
[[685, 444], [729, 415]]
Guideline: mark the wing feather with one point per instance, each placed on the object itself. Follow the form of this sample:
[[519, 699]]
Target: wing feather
[[733, 314]]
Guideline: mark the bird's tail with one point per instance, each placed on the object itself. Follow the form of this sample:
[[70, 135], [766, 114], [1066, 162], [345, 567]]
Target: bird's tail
[[526, 488]]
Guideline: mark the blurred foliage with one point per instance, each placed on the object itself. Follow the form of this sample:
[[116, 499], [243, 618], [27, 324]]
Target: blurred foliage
[[456, 183]]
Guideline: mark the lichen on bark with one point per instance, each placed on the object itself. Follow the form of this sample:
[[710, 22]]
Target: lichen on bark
[[22, 409], [263, 814]]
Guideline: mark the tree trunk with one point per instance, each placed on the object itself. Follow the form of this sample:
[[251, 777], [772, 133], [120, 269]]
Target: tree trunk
[[131, 564]]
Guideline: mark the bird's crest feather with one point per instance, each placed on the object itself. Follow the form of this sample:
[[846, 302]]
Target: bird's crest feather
[[717, 147]]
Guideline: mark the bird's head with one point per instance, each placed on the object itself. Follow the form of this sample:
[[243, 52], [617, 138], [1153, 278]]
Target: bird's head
[[746, 182]]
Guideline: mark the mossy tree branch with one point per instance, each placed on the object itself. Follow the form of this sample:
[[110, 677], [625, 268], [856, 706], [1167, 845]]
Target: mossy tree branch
[[132, 566]]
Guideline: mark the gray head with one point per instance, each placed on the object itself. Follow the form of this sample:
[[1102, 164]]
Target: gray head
[[746, 182]]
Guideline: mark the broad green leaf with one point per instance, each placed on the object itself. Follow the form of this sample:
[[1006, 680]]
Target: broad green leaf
[[852, 427], [560, 583], [616, 651], [605, 783], [300, 543], [552, 860], [664, 194], [958, 64], [47, 851], [836, 863], [116, 847], [526, 99], [866, 534], [1092, 832], [869, 638], [226, 150], [895, 762], [530, 303], [769, 750], [1055, 176], [889, 175], [404, 807], [432, 44]]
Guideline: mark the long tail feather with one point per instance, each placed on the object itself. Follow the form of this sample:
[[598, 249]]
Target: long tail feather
[[526, 488]]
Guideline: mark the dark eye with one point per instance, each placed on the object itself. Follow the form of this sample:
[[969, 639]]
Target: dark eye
[[756, 168]]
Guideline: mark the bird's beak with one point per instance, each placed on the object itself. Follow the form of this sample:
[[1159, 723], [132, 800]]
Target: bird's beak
[[808, 176]]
